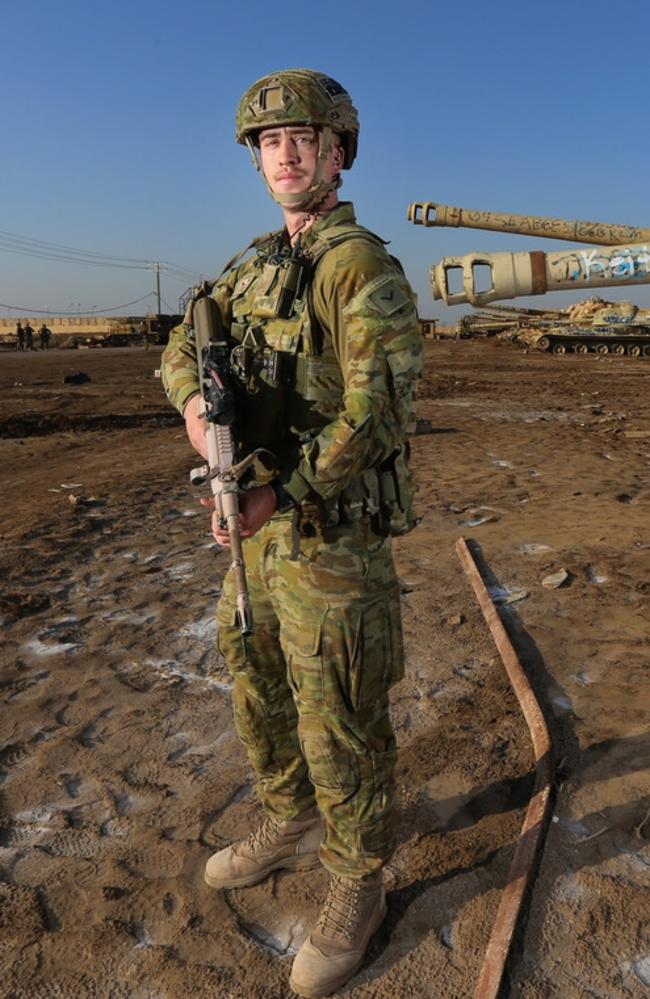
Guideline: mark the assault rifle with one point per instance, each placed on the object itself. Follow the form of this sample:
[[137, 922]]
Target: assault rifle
[[218, 405]]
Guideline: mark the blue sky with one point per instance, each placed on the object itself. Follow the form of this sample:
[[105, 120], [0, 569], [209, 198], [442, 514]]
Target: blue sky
[[118, 129]]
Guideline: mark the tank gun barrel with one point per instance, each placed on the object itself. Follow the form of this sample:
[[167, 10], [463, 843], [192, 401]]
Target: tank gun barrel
[[490, 277], [430, 213]]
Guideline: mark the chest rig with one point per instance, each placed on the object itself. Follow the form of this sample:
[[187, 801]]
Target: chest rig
[[288, 379]]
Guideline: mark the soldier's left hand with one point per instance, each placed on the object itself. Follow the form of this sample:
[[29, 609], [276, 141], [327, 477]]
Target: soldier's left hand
[[256, 506]]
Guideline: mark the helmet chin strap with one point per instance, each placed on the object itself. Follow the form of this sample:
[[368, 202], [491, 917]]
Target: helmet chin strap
[[318, 190], [309, 199]]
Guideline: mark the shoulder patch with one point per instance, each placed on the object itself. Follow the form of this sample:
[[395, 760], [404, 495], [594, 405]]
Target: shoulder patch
[[387, 297]]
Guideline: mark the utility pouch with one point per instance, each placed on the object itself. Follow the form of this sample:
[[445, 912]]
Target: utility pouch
[[281, 284], [354, 500], [293, 282], [396, 493], [384, 494], [276, 365], [243, 356], [332, 512]]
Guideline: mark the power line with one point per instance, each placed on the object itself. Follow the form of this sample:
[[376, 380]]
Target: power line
[[44, 250], [176, 274], [184, 300], [71, 260], [43, 244], [183, 279], [13, 243], [89, 312], [181, 270]]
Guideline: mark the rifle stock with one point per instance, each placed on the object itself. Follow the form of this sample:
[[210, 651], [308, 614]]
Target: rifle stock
[[212, 356]]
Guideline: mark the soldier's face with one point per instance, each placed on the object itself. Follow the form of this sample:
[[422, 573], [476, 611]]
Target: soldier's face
[[289, 157]]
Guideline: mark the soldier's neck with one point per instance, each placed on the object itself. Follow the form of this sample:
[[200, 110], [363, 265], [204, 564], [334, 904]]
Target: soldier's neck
[[298, 222]]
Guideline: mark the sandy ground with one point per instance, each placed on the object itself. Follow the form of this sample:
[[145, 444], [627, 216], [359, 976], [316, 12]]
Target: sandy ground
[[119, 767]]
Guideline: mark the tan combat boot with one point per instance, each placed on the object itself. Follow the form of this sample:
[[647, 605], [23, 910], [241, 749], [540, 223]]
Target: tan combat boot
[[354, 909], [276, 845]]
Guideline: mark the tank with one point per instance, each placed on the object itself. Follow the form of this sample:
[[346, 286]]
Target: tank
[[620, 328], [621, 256], [597, 326]]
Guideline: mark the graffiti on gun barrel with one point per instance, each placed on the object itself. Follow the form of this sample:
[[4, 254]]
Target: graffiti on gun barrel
[[629, 262]]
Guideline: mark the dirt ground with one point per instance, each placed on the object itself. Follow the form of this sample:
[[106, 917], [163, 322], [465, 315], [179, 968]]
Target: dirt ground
[[120, 770]]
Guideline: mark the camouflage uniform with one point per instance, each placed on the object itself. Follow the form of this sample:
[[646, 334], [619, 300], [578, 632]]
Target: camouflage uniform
[[329, 394]]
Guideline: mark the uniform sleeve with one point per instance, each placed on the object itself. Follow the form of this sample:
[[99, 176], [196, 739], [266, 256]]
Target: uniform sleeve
[[365, 302], [178, 367]]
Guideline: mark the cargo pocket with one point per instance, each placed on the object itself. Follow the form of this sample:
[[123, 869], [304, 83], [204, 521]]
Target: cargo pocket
[[250, 722], [362, 654], [376, 670], [230, 642], [301, 644], [331, 762], [376, 840], [395, 670]]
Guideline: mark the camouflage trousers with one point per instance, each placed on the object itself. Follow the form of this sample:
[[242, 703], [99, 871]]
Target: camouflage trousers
[[310, 691]]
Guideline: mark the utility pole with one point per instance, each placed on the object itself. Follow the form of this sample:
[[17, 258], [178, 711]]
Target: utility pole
[[157, 266]]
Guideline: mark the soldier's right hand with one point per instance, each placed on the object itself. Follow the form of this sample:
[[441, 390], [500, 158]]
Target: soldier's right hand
[[195, 425]]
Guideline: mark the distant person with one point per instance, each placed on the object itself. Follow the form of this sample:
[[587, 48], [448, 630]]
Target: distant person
[[29, 337], [45, 335], [20, 336], [144, 334]]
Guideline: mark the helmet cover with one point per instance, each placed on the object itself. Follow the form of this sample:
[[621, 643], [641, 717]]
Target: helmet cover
[[299, 97]]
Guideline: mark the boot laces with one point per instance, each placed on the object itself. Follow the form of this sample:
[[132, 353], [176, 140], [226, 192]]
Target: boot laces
[[339, 917], [262, 837]]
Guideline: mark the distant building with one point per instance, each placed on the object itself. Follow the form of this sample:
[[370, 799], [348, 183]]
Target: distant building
[[68, 330]]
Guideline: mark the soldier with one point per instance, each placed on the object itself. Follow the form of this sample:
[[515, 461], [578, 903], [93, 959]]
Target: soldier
[[45, 334], [29, 336], [20, 336], [326, 356]]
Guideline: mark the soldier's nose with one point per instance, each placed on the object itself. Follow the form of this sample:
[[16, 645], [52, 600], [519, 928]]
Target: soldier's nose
[[288, 151]]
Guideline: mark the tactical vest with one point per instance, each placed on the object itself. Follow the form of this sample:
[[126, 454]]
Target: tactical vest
[[289, 384]]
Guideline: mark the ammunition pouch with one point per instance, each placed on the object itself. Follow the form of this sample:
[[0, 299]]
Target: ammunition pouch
[[384, 494], [261, 375]]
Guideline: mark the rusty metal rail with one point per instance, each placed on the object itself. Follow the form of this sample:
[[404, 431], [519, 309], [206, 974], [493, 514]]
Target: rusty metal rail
[[519, 875]]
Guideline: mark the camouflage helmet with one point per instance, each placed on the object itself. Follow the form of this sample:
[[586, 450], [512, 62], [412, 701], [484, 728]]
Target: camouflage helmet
[[299, 97]]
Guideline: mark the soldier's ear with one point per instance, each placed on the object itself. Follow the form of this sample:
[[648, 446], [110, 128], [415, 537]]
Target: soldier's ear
[[339, 157]]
